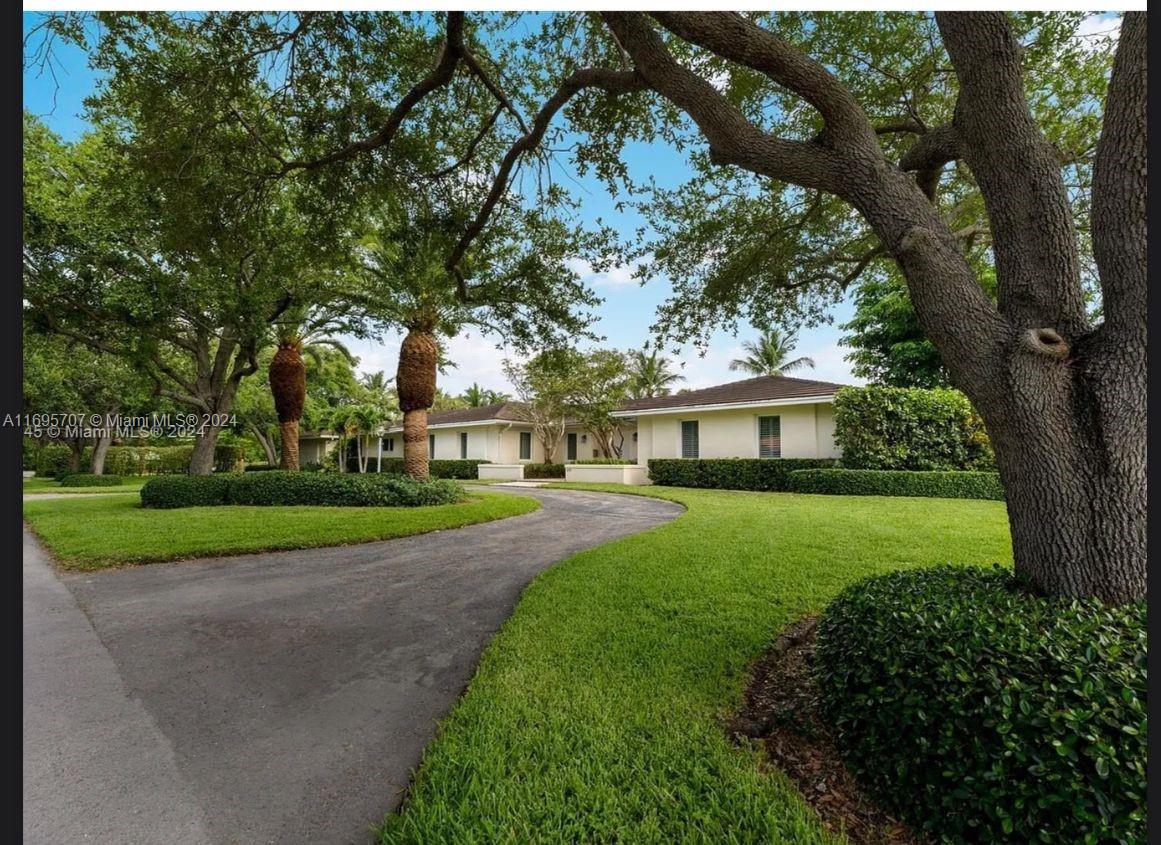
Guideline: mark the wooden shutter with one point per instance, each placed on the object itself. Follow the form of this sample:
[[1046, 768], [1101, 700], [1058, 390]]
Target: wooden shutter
[[689, 439], [431, 445], [463, 445], [769, 437]]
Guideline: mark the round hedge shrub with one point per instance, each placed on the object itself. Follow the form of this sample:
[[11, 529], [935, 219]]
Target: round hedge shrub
[[277, 487], [983, 713], [87, 479], [185, 491]]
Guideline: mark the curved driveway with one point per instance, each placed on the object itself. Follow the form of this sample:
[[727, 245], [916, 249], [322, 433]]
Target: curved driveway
[[282, 697]]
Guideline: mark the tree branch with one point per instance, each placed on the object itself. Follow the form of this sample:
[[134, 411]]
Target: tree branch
[[929, 154], [732, 37], [610, 81], [732, 138], [439, 76], [1120, 184], [1018, 172]]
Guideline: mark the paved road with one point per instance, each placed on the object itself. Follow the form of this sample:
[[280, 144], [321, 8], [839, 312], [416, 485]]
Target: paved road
[[282, 697]]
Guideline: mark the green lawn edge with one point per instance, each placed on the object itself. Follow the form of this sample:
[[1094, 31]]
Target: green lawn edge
[[99, 532], [597, 711]]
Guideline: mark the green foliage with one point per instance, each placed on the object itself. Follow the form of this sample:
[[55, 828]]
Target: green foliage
[[185, 491], [983, 713], [769, 355], [650, 375], [53, 460], [730, 473], [259, 467], [605, 461], [544, 470], [297, 488], [901, 428], [465, 470], [940, 484], [347, 490], [87, 479]]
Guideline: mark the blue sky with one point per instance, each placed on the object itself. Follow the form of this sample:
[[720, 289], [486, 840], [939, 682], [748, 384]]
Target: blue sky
[[624, 317]]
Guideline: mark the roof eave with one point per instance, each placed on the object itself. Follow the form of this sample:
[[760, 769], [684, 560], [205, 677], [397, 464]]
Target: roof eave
[[726, 406]]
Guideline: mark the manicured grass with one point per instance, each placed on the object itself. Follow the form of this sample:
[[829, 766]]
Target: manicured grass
[[51, 485], [96, 532], [595, 714]]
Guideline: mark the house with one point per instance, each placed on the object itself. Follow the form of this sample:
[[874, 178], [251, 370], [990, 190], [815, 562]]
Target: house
[[314, 446], [499, 434], [764, 417]]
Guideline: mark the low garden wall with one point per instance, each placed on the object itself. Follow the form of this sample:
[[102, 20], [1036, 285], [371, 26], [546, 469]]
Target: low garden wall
[[500, 472], [607, 473]]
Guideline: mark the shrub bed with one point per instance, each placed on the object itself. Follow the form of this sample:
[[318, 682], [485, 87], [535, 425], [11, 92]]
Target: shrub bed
[[605, 461], [544, 470], [87, 479], [983, 713], [341, 490], [876, 482], [259, 468], [464, 470], [730, 473], [185, 491], [277, 487]]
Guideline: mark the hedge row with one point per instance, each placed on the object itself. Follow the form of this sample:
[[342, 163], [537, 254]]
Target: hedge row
[[296, 488], [980, 712], [604, 461], [730, 473], [875, 482], [544, 470], [437, 468], [909, 428], [52, 461], [87, 479]]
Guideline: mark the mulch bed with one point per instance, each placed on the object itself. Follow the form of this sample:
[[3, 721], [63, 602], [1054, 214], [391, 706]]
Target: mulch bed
[[780, 712]]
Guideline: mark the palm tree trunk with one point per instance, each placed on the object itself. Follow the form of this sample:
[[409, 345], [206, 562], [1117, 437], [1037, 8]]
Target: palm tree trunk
[[290, 453], [415, 384], [288, 387]]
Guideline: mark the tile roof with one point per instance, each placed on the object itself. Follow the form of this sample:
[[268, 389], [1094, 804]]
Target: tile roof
[[505, 411], [758, 389]]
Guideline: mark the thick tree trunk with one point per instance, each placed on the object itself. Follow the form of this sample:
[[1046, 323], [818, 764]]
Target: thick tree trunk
[[415, 443], [202, 460], [100, 450], [415, 385], [289, 432]]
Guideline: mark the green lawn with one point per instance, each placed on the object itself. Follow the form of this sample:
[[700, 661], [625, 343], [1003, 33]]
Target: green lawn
[[51, 485], [98, 531], [595, 714]]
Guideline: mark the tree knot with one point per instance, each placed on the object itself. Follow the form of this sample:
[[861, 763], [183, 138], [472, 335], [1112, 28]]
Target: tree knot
[[1045, 341]]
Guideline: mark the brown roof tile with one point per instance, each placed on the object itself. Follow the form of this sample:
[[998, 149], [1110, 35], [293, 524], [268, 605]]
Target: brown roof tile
[[737, 392], [507, 411]]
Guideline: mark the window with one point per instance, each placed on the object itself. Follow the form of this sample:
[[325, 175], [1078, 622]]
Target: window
[[431, 445], [463, 445], [769, 437], [689, 438], [572, 446], [526, 445], [390, 444], [634, 437]]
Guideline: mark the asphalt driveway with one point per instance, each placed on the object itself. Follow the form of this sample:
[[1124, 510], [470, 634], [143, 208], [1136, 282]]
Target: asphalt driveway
[[282, 697]]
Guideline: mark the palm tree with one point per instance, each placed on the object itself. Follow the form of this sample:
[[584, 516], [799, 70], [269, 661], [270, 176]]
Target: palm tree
[[477, 397], [364, 420], [404, 259], [769, 354], [300, 330], [650, 375]]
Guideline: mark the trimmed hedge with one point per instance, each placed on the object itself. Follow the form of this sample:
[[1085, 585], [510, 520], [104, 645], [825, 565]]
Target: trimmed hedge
[[259, 468], [185, 491], [544, 470], [768, 474], [52, 461], [277, 487], [87, 479], [604, 461], [882, 482], [909, 428], [465, 470], [980, 712]]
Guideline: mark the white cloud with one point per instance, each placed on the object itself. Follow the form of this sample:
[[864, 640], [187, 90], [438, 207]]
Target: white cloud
[[475, 356], [615, 276], [1095, 29]]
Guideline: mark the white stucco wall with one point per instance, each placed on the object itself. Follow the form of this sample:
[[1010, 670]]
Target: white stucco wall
[[807, 432], [500, 443]]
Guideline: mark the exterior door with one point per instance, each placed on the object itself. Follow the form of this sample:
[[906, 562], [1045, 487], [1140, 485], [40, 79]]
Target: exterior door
[[572, 446]]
